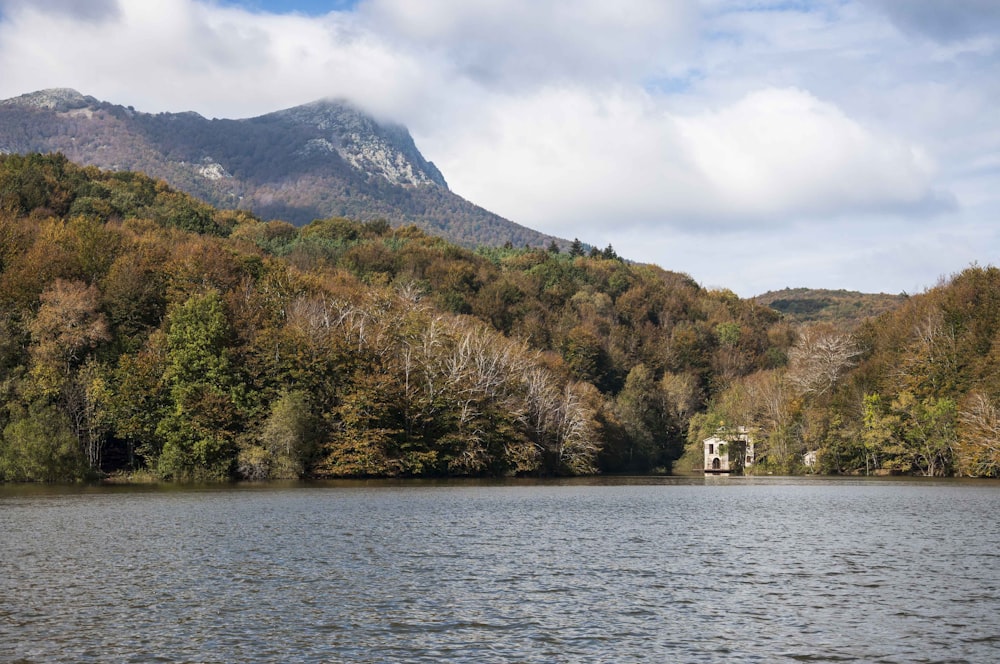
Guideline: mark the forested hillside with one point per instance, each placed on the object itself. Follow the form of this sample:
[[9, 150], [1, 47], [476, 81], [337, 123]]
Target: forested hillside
[[915, 391], [143, 331]]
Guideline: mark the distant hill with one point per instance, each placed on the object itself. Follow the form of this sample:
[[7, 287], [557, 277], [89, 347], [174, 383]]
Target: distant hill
[[845, 309], [315, 161]]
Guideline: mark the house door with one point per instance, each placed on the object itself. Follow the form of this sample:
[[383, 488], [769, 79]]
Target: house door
[[715, 463]]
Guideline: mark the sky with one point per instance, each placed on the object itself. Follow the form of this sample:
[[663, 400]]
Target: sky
[[752, 144]]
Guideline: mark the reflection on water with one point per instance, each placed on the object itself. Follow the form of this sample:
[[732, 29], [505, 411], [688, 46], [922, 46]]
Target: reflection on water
[[647, 569]]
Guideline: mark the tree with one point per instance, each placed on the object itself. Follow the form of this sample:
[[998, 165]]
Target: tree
[[82, 400], [134, 292], [585, 355], [576, 249], [928, 432], [363, 440], [880, 434], [819, 358], [641, 409], [931, 363], [285, 443], [775, 420], [39, 446], [201, 419], [136, 401], [576, 441], [68, 322], [683, 396], [978, 446]]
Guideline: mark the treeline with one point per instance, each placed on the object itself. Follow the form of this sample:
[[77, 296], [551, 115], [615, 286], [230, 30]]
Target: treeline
[[143, 331], [914, 391]]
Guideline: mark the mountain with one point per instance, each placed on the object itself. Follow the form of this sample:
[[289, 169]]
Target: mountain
[[845, 309], [319, 160]]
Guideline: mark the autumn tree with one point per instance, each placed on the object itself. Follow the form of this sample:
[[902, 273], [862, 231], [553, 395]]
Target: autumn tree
[[68, 323], [978, 446]]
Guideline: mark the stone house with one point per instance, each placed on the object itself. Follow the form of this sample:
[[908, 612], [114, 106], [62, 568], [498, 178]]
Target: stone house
[[729, 451]]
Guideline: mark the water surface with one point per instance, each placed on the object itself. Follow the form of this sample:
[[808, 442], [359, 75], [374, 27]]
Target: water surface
[[648, 569]]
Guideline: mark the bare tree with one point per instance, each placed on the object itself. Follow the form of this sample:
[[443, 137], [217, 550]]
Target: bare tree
[[819, 358], [979, 437]]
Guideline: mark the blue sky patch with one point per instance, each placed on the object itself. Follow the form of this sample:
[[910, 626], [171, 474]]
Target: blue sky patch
[[308, 7]]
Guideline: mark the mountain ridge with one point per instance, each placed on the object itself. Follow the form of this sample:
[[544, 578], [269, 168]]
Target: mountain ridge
[[322, 159]]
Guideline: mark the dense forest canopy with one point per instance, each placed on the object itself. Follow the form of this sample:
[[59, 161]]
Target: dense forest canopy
[[143, 331]]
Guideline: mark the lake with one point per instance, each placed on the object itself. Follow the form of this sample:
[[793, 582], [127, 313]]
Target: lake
[[599, 570]]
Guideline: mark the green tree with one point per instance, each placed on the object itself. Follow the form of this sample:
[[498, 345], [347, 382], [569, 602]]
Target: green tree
[[38, 445], [928, 432], [880, 435], [199, 426], [136, 401], [641, 408], [285, 444]]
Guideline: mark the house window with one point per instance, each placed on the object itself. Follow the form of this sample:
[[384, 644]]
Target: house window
[[749, 459], [711, 448]]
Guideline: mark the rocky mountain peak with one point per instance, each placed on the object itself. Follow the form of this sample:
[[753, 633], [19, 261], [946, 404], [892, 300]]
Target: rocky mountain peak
[[57, 99], [322, 159], [368, 145]]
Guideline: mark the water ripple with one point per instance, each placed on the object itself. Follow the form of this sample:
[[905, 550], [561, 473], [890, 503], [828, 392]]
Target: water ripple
[[715, 571]]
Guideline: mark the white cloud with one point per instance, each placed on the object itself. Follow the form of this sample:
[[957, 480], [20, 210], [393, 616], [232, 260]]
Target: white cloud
[[567, 159], [182, 55], [849, 255], [516, 43], [782, 153], [87, 10]]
